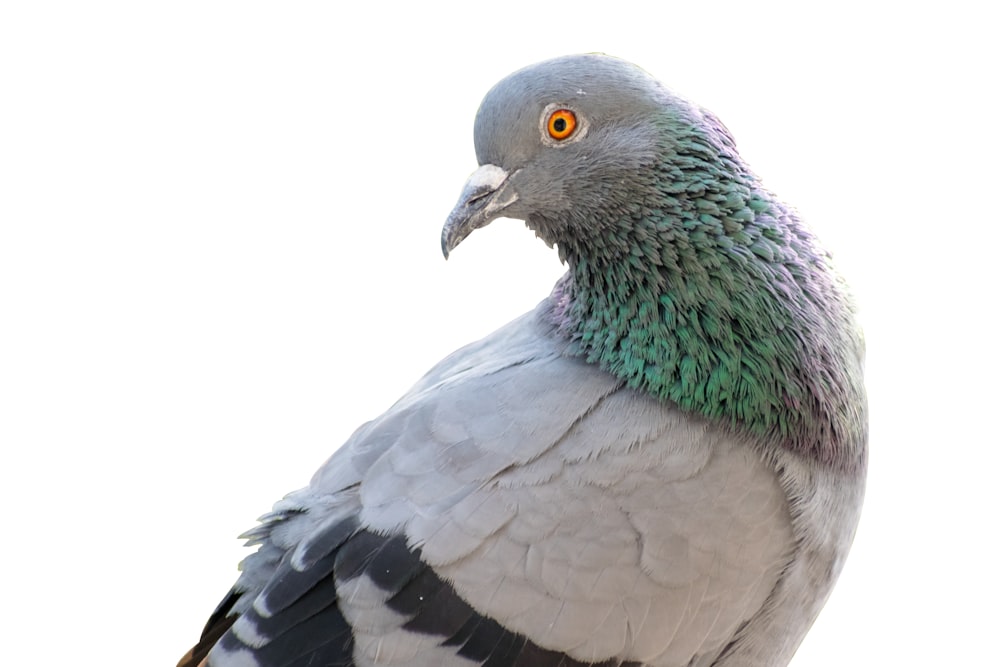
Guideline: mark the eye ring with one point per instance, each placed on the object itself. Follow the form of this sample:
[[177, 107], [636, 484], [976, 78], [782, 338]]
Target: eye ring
[[561, 124]]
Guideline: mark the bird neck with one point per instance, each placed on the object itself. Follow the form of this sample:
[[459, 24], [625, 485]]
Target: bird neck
[[719, 301]]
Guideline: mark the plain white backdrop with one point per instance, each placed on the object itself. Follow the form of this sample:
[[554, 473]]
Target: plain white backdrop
[[219, 254]]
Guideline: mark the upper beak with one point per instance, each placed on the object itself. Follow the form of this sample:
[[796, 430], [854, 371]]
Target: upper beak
[[485, 196]]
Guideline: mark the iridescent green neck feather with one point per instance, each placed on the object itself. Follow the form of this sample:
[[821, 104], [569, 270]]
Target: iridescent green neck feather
[[704, 290]]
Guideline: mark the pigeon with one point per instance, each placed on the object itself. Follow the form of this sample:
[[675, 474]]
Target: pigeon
[[662, 464]]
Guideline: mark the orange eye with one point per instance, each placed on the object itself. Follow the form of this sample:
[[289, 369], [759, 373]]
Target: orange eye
[[561, 124]]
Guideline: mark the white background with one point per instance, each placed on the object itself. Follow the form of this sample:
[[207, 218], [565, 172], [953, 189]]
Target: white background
[[219, 254]]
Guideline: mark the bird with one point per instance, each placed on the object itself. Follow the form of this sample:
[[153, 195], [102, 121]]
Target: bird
[[662, 464]]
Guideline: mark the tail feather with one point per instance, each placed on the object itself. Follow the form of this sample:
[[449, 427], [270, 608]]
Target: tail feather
[[217, 624]]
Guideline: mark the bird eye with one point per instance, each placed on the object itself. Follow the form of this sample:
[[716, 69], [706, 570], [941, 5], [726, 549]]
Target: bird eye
[[561, 124]]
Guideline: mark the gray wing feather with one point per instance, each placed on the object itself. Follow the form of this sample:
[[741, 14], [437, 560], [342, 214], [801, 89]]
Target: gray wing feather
[[584, 516]]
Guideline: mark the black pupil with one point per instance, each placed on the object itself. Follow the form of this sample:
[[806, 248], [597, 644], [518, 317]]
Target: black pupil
[[559, 125]]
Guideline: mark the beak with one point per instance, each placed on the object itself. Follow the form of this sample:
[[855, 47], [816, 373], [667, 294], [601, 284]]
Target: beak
[[485, 196]]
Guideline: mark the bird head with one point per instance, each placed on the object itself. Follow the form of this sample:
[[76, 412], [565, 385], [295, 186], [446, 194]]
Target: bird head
[[565, 145]]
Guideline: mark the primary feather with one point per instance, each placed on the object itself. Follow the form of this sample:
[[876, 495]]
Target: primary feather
[[662, 464]]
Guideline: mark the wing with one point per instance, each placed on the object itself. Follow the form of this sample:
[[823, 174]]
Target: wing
[[517, 507]]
